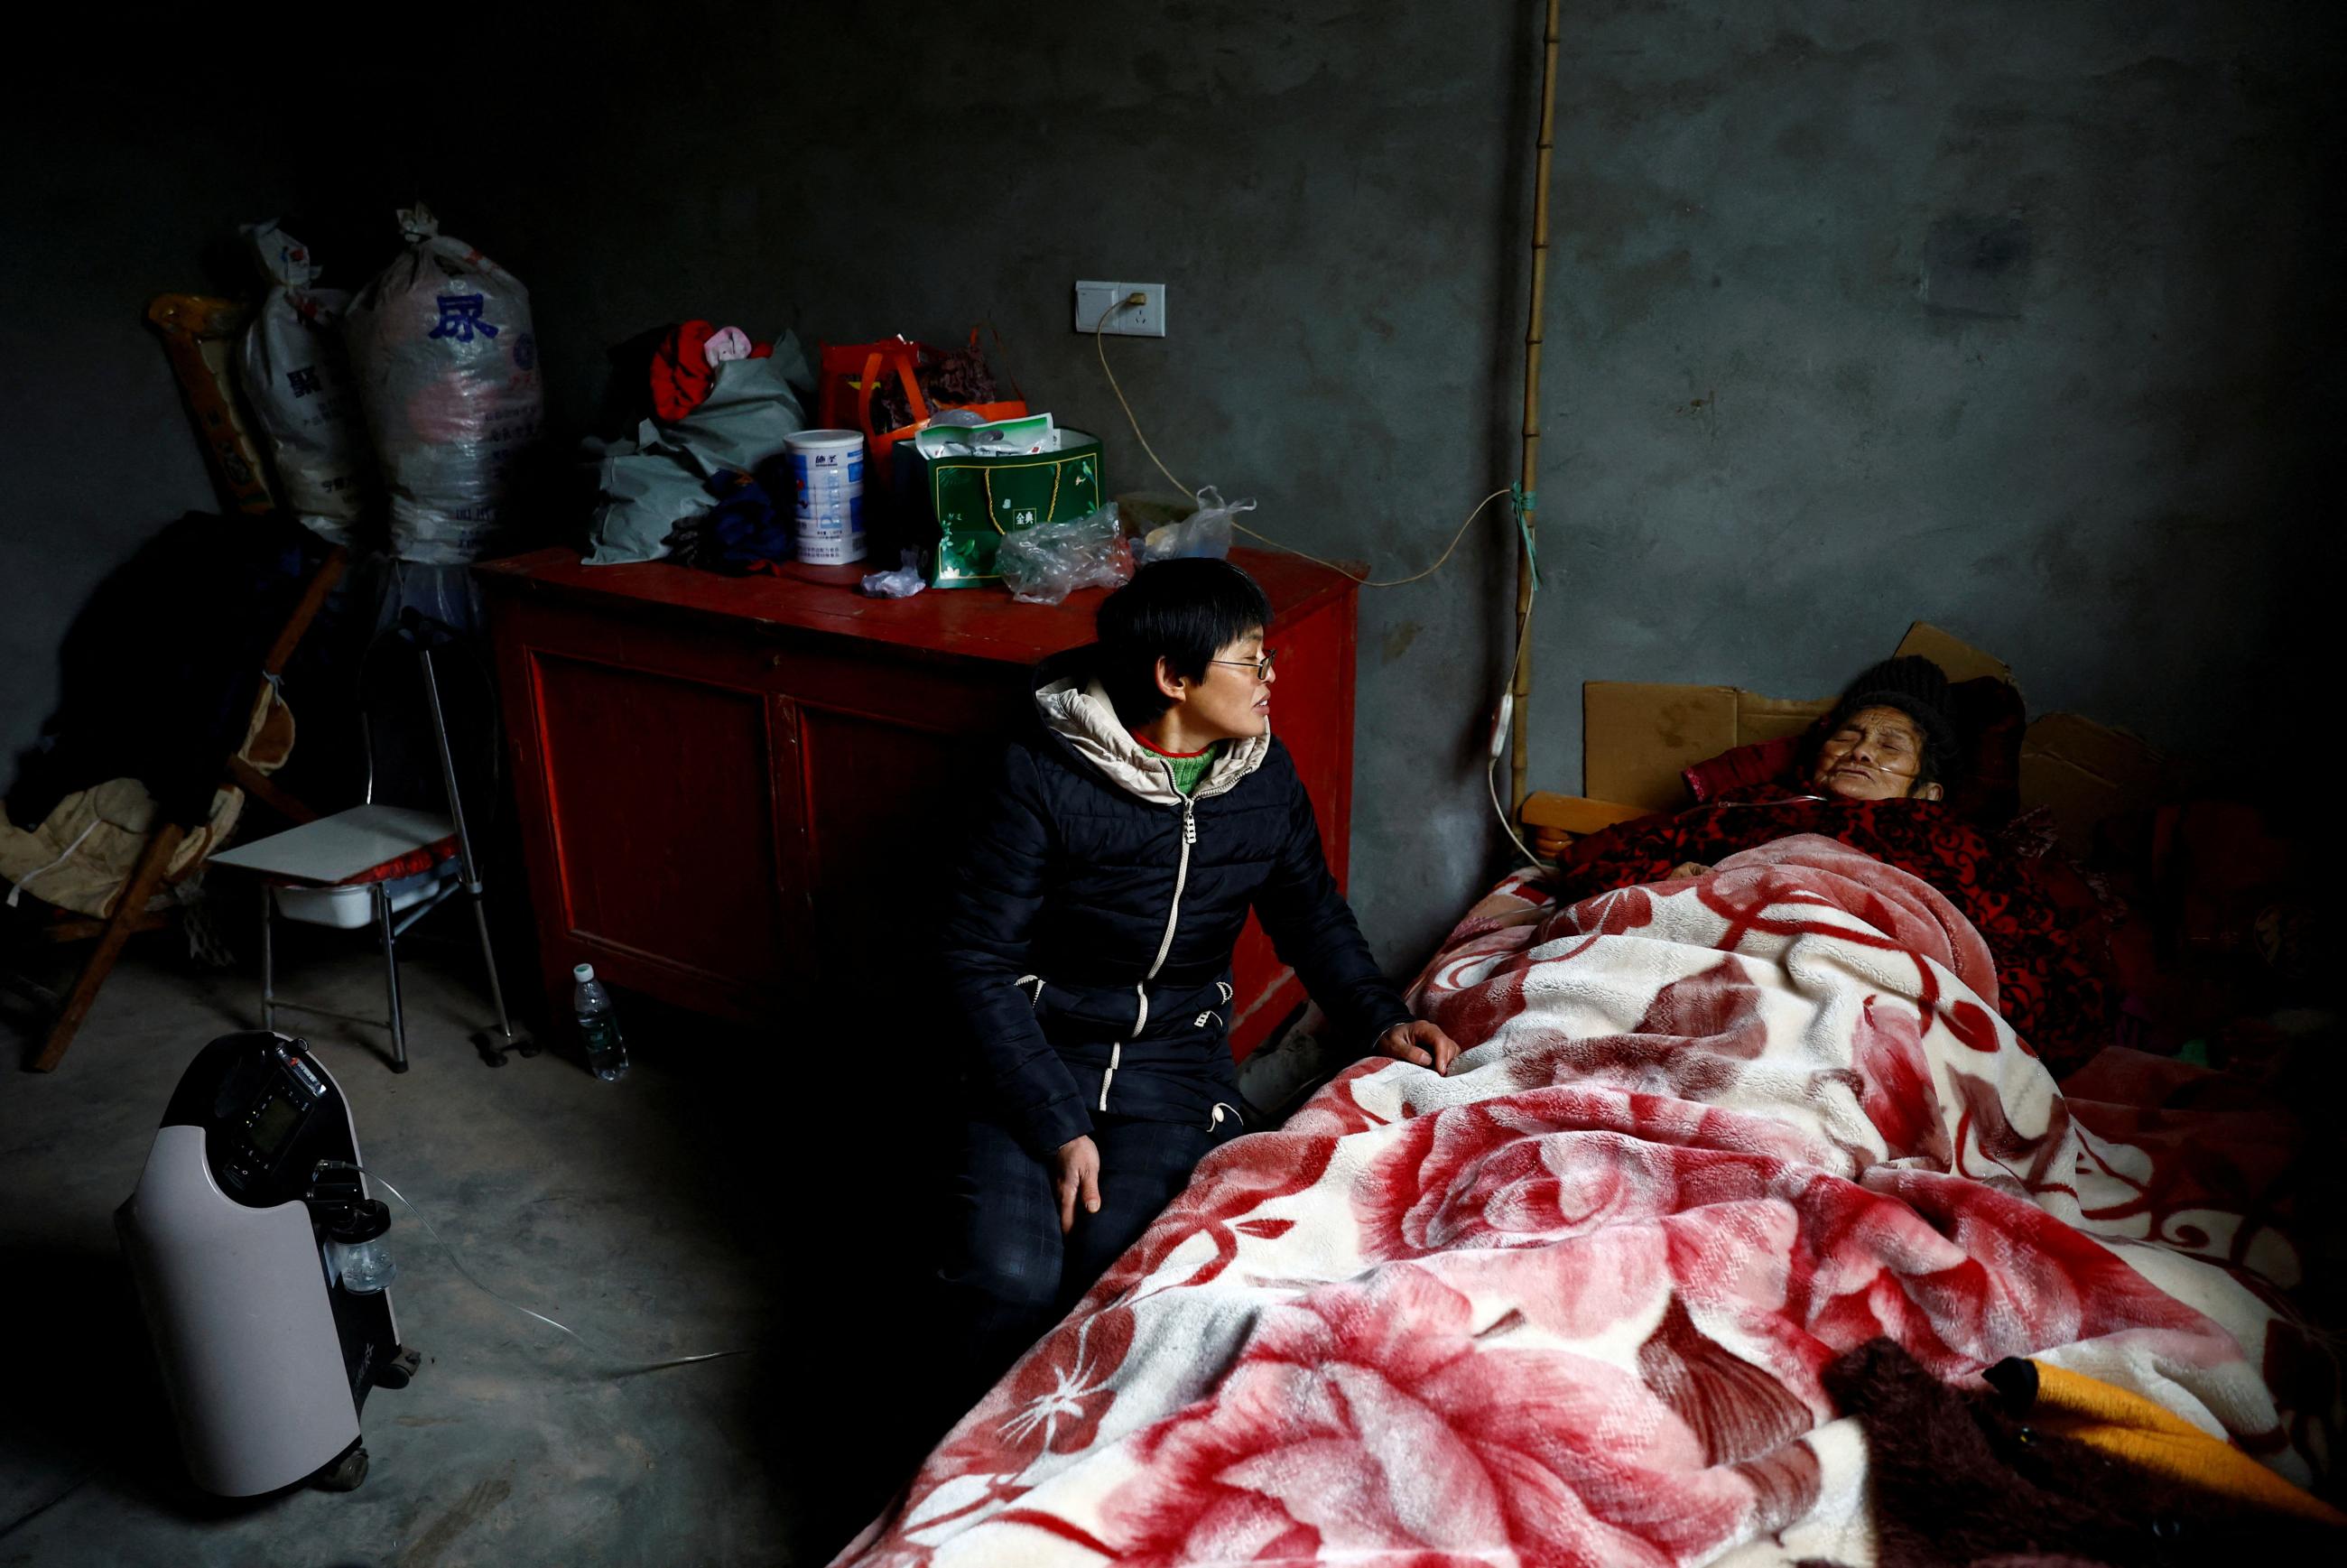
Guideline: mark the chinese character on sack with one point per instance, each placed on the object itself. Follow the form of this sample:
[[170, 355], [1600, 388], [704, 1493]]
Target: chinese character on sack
[[460, 317], [303, 381]]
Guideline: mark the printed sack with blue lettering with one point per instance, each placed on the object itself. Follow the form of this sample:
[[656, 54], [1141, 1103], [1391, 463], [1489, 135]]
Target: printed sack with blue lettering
[[297, 381], [447, 373]]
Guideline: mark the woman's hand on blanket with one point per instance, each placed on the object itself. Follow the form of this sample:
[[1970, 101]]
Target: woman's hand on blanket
[[1076, 1166], [1419, 1042]]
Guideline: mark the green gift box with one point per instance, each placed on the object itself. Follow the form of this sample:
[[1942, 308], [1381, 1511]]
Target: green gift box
[[974, 500]]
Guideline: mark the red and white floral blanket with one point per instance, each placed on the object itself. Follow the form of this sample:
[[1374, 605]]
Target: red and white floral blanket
[[1570, 1304]]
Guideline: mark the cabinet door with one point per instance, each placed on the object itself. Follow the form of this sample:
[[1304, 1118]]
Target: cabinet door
[[889, 806], [669, 843]]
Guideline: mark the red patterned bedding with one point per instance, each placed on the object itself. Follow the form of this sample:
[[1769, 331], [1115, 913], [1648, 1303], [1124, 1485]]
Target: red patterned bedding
[[1571, 1304], [2053, 976]]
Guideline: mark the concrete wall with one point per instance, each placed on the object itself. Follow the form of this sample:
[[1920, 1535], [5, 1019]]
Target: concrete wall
[[95, 444], [1999, 314]]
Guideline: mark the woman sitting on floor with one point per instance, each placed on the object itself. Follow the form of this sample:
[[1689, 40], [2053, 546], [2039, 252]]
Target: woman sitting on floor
[[1088, 937]]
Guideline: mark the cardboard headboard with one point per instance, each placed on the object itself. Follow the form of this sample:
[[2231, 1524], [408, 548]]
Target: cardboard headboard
[[1637, 737]]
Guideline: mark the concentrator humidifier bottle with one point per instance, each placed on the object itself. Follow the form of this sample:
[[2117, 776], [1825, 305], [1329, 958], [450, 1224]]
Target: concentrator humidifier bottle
[[599, 1026], [354, 1250]]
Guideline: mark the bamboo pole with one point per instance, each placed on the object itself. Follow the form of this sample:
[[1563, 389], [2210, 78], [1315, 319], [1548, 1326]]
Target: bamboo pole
[[1529, 477]]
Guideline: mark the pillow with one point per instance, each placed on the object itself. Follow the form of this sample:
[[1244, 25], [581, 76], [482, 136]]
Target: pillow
[[1738, 769], [1990, 720]]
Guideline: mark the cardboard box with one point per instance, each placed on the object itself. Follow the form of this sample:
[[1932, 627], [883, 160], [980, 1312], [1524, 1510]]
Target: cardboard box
[[1959, 659], [2086, 774], [1637, 738]]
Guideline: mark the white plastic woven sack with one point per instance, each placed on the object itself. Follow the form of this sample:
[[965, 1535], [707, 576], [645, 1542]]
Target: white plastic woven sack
[[297, 381], [447, 372]]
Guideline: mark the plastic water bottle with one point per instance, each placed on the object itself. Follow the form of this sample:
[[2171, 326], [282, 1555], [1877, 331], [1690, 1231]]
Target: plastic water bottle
[[599, 1026]]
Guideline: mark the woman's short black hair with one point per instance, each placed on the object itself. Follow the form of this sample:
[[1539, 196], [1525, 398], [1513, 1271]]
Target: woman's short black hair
[[1182, 612]]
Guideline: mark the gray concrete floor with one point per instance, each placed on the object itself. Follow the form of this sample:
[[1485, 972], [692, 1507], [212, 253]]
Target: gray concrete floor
[[696, 1206]]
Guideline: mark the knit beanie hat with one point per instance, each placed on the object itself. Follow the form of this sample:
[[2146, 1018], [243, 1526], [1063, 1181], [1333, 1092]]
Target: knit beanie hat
[[1917, 687]]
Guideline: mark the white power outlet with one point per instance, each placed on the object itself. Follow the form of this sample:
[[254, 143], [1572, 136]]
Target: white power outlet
[[1145, 320]]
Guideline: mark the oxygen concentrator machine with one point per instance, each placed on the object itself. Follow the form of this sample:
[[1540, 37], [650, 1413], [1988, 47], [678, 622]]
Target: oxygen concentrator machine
[[259, 1262]]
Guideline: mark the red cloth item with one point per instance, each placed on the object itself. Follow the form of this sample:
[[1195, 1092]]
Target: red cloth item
[[407, 865], [1742, 767], [682, 374], [1161, 750], [680, 371], [393, 869]]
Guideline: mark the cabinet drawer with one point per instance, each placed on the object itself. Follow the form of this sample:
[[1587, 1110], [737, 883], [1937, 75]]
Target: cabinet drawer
[[907, 686]]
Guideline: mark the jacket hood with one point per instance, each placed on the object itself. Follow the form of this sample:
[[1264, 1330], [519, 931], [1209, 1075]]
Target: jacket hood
[[1076, 709]]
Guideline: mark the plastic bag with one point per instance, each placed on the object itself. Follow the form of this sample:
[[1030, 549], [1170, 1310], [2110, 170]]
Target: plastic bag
[[1045, 564], [297, 380], [903, 583], [447, 372], [641, 497], [646, 487], [1205, 532], [968, 506], [743, 531], [750, 410]]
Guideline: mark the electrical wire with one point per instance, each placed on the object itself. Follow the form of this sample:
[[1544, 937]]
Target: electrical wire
[[38, 1510], [1099, 346], [1523, 629], [1492, 779], [1491, 773], [650, 1365]]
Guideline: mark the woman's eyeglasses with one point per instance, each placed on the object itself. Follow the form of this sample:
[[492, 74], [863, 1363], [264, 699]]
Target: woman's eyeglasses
[[1262, 667]]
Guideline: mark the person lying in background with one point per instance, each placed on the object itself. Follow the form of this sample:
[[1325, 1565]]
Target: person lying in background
[[1878, 775], [1891, 737]]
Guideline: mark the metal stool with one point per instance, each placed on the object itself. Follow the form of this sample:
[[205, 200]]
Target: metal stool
[[384, 866]]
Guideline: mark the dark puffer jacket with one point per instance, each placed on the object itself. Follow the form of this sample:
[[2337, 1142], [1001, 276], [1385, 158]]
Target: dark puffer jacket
[[1087, 938]]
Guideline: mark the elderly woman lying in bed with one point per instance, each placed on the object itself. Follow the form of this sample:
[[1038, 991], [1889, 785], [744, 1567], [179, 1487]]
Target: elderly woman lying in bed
[[1878, 775]]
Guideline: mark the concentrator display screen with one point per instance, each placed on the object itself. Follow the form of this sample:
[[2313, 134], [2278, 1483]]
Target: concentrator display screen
[[274, 1126]]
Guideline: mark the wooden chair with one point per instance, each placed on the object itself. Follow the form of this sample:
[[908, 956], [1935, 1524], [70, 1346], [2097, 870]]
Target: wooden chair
[[131, 912]]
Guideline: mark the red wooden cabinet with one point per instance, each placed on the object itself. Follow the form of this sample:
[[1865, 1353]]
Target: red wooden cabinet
[[733, 789]]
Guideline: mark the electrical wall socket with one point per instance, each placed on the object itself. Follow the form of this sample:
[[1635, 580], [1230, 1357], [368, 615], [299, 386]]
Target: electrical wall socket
[[1145, 320]]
